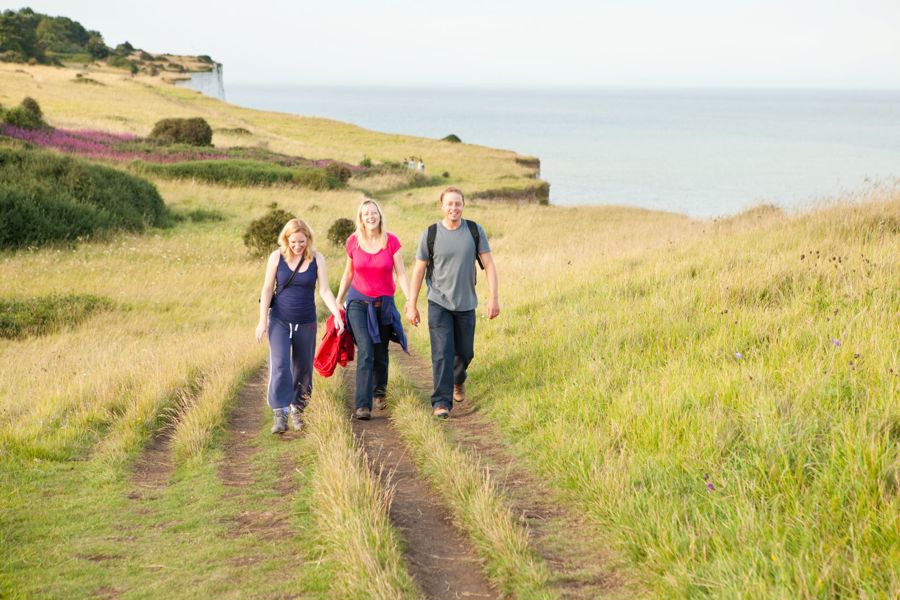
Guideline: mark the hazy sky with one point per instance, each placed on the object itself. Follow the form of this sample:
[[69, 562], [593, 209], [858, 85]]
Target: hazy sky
[[635, 43]]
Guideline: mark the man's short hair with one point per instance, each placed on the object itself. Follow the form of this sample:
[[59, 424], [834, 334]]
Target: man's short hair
[[453, 190]]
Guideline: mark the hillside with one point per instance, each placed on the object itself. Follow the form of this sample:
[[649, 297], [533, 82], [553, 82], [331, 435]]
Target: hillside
[[665, 407]]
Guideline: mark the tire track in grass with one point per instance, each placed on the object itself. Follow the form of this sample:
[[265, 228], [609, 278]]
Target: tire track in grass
[[237, 472], [581, 567], [439, 558]]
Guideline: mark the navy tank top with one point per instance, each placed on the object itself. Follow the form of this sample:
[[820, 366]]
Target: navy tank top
[[297, 302]]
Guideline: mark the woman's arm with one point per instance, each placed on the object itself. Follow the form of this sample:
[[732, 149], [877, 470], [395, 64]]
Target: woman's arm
[[265, 296], [326, 293], [345, 281], [400, 270]]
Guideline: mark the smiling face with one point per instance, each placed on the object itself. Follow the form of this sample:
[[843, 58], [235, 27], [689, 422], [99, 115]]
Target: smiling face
[[297, 243], [371, 218], [452, 205]]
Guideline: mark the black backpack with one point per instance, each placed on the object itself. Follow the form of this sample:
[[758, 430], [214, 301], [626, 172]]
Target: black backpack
[[432, 234]]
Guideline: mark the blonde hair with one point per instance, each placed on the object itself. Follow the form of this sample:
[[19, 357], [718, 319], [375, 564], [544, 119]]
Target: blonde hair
[[361, 227], [290, 228]]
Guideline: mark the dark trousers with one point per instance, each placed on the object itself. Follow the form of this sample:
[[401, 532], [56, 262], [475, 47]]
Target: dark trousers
[[372, 360], [292, 348], [452, 349]]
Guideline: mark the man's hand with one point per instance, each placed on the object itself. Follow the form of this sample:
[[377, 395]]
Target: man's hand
[[493, 308], [412, 314]]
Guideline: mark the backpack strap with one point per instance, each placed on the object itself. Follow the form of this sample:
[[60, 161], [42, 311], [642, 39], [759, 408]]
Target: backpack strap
[[473, 229], [429, 240]]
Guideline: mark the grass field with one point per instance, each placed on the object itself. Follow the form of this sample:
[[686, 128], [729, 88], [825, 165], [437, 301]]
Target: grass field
[[720, 398]]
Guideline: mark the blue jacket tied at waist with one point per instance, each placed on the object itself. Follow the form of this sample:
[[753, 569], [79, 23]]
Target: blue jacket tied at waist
[[381, 311]]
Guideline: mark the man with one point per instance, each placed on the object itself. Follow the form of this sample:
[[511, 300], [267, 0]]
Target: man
[[451, 296]]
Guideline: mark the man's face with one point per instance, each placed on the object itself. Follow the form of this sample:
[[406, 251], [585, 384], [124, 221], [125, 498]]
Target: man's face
[[452, 205]]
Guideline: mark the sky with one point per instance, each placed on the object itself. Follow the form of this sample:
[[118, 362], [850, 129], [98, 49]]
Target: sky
[[521, 43]]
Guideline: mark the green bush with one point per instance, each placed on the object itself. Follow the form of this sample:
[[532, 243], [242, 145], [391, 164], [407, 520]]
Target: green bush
[[195, 131], [241, 173], [20, 318], [120, 62], [46, 198], [27, 115], [339, 172], [365, 162], [261, 236], [340, 230], [452, 138], [31, 105]]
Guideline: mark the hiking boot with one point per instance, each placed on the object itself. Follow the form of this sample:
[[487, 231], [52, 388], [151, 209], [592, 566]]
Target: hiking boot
[[440, 412], [280, 425], [459, 392], [296, 417], [380, 403], [363, 414]]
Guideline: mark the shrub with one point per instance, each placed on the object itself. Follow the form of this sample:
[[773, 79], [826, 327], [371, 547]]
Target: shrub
[[339, 172], [452, 138], [47, 198], [340, 230], [20, 318], [119, 62], [195, 131], [261, 236], [32, 106], [124, 49], [145, 55], [241, 173], [365, 162], [445, 174]]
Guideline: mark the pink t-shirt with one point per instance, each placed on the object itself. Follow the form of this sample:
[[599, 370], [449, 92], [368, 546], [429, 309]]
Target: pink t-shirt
[[373, 274]]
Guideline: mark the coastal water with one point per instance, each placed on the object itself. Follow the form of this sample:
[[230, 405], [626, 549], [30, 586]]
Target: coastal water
[[700, 152]]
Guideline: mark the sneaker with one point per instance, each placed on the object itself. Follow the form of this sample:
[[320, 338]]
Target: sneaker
[[296, 417], [459, 392], [380, 403], [440, 412], [280, 425], [363, 414]]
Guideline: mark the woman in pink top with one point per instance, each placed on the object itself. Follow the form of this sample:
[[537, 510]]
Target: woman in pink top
[[373, 258]]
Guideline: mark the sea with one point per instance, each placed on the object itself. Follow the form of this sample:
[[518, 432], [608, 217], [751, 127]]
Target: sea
[[701, 152]]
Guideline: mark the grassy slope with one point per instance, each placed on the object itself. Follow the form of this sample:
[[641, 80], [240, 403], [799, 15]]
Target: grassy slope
[[612, 369]]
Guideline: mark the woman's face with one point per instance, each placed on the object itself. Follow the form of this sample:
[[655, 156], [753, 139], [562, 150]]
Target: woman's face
[[297, 243], [370, 218]]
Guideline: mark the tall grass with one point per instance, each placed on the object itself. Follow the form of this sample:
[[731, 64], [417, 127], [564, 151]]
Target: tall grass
[[721, 397], [474, 500], [351, 506]]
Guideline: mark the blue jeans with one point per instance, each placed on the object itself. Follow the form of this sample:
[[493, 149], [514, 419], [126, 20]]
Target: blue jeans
[[452, 335], [292, 348], [372, 360]]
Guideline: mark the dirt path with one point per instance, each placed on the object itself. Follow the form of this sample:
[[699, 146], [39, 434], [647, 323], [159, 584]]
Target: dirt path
[[580, 567], [269, 520], [438, 556]]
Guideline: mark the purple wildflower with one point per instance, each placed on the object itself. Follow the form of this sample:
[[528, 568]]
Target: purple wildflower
[[836, 342], [738, 355]]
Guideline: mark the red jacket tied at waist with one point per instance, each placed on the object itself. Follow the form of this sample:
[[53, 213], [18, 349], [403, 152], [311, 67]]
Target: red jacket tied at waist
[[334, 350]]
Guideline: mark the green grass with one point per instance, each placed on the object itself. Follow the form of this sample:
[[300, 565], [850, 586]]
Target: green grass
[[240, 173], [46, 198], [23, 317], [86, 536], [472, 497]]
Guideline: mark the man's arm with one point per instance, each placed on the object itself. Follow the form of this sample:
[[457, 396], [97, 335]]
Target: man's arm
[[490, 270], [415, 285]]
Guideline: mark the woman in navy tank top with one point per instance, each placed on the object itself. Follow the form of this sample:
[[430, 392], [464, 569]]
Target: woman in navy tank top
[[291, 320]]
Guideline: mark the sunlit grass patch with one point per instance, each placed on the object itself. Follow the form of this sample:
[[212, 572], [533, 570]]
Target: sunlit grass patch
[[350, 505], [24, 317]]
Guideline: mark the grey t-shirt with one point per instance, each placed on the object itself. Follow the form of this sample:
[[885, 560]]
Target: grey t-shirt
[[453, 280]]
